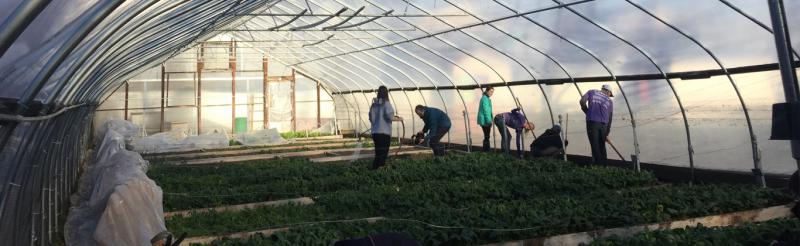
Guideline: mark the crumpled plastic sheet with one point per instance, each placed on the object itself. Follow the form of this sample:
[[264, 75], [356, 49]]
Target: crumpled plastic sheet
[[325, 128], [261, 137], [179, 141], [121, 223], [127, 129], [116, 175]]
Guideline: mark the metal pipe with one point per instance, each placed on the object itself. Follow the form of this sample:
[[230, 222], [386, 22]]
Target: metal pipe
[[753, 141], [782, 44]]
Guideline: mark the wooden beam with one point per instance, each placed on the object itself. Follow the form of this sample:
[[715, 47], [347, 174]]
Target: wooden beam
[[294, 106], [265, 70], [126, 100], [163, 84], [232, 66], [199, 89], [279, 78]]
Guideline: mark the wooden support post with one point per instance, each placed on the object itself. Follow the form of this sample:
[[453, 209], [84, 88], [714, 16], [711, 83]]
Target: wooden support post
[[294, 106], [232, 66], [200, 89], [163, 84], [265, 68], [126, 100], [319, 119]]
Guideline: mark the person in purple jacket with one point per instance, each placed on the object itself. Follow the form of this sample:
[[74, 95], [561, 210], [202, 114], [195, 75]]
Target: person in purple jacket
[[516, 121], [599, 110]]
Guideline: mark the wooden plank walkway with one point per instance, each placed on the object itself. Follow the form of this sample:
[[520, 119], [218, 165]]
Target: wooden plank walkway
[[297, 201]]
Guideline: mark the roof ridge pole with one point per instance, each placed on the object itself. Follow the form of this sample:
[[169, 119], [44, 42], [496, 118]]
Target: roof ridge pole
[[596, 58], [669, 83], [781, 36], [753, 141]]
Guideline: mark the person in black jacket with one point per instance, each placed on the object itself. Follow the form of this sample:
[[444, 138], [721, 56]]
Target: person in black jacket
[[548, 144]]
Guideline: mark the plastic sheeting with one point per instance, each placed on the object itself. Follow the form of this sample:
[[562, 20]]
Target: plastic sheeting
[[261, 137], [114, 189], [178, 140]]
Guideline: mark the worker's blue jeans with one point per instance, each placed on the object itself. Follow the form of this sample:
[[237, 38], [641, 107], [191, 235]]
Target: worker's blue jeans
[[597, 133], [505, 136]]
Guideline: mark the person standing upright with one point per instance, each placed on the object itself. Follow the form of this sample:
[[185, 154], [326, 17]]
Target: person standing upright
[[381, 114], [599, 110], [485, 116]]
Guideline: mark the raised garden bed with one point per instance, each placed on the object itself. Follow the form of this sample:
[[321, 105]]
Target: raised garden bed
[[215, 185], [763, 233], [439, 201]]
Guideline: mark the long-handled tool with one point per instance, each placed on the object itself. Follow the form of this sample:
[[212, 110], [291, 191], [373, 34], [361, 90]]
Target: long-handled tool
[[615, 149], [400, 138]]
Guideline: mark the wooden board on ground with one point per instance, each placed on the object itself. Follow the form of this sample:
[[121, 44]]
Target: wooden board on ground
[[248, 151], [411, 152], [241, 147], [238, 159], [296, 201], [729, 219], [267, 232]]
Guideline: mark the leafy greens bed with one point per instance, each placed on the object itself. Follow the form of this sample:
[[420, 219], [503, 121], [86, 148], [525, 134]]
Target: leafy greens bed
[[467, 193], [209, 186]]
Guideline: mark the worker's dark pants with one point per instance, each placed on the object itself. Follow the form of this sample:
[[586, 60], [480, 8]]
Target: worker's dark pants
[[438, 147], [382, 142], [505, 137], [597, 139], [487, 130]]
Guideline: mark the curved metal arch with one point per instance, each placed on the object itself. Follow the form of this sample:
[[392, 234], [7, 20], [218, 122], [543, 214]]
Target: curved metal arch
[[334, 26], [85, 26], [441, 97], [595, 57], [347, 104], [114, 65], [288, 21], [360, 120], [754, 20], [365, 21], [366, 100], [669, 81], [159, 56], [17, 21], [298, 28], [129, 35], [366, 71], [378, 79], [436, 87], [94, 46], [753, 140]]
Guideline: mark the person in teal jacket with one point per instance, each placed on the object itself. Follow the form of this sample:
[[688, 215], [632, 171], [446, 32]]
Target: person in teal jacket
[[485, 116], [437, 124]]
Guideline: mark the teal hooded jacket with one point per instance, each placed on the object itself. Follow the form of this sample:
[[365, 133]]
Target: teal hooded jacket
[[485, 111]]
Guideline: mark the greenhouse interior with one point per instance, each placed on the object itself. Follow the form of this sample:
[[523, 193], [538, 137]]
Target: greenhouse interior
[[399, 122]]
